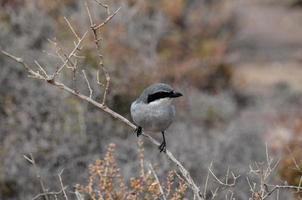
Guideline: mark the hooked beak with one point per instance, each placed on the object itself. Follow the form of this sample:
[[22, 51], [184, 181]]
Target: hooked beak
[[176, 94]]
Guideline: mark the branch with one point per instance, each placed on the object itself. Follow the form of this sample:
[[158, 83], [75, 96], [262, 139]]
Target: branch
[[62, 185], [278, 187], [107, 20], [157, 181], [88, 85], [226, 184], [72, 53], [48, 193], [104, 6], [72, 29], [44, 190], [94, 29], [115, 115]]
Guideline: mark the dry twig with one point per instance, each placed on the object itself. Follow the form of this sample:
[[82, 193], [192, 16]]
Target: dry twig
[[157, 181], [62, 185], [44, 193], [263, 171]]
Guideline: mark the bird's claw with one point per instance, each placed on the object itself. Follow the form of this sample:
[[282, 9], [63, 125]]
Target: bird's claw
[[138, 131], [162, 147]]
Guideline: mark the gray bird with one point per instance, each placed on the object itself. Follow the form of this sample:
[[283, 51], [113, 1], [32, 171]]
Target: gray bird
[[153, 110]]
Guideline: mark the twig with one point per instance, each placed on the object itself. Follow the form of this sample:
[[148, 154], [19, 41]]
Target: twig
[[62, 55], [104, 6], [72, 29], [231, 195], [94, 29], [206, 183], [89, 14], [78, 195], [33, 162], [48, 193], [107, 20], [215, 193], [88, 85], [26, 67], [41, 69], [226, 181], [69, 56], [278, 187], [62, 185], [157, 181], [252, 188], [293, 158], [98, 78]]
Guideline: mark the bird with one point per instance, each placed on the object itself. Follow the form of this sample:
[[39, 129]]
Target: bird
[[153, 110]]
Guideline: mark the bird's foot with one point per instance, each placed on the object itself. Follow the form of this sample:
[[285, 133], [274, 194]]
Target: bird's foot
[[138, 131], [162, 147]]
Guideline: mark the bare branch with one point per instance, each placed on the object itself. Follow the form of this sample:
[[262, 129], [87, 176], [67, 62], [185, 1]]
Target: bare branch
[[94, 29], [106, 87], [98, 78], [88, 85], [89, 14], [72, 29], [62, 55], [226, 181], [47, 194], [107, 20], [32, 73], [278, 187], [104, 6], [69, 56], [157, 181], [62, 185], [252, 187], [215, 193], [293, 159], [41, 69], [78, 195], [206, 183], [300, 184], [33, 162]]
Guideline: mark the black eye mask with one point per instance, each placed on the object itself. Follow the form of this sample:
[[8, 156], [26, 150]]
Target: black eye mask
[[158, 95]]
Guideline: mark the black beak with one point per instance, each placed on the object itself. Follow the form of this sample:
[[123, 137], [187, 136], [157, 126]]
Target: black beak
[[176, 94]]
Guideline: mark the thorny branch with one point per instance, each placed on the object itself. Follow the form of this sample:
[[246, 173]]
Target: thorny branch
[[45, 193], [226, 183], [67, 59], [94, 29], [263, 172], [33, 162], [221, 183]]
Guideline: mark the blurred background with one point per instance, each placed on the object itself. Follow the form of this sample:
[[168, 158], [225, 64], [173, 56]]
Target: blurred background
[[237, 62]]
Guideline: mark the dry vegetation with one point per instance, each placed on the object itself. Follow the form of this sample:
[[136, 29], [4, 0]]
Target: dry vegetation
[[105, 56], [106, 181]]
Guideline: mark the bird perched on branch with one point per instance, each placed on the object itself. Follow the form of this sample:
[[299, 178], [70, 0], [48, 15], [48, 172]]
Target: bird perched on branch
[[153, 110]]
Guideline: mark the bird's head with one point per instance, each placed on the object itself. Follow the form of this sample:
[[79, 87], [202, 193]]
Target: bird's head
[[159, 92]]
